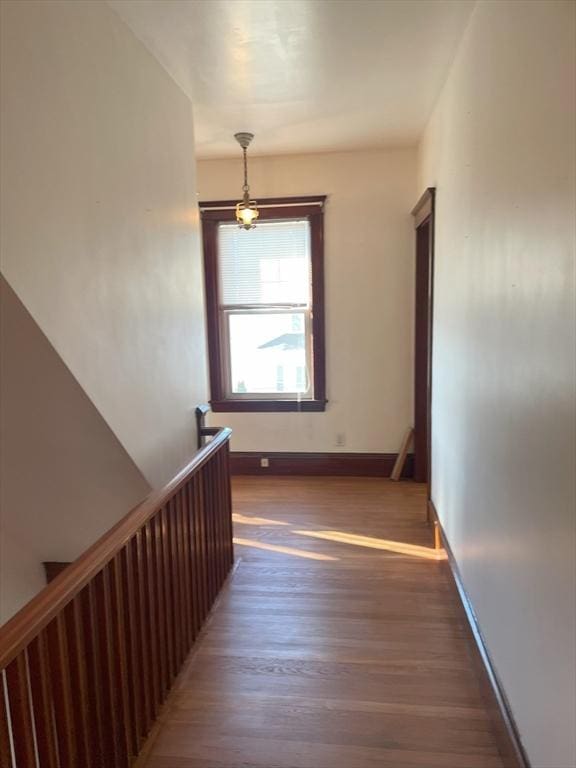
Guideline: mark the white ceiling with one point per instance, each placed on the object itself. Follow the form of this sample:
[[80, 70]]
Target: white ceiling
[[303, 75]]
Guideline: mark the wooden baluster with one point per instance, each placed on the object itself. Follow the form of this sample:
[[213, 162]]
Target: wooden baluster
[[5, 748], [98, 712], [205, 496], [226, 510], [184, 539], [150, 587], [197, 551], [222, 516], [229, 510], [158, 553], [42, 705], [207, 516], [210, 498], [140, 607], [187, 559], [133, 657], [185, 600], [175, 561], [196, 554], [216, 522], [114, 725], [179, 504], [147, 680], [20, 711], [78, 681], [183, 569], [203, 541], [217, 534], [176, 612], [168, 594], [62, 690], [171, 589], [119, 636]]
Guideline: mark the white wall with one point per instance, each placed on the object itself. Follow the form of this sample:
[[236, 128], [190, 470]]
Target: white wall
[[64, 477], [99, 219], [369, 266], [500, 150]]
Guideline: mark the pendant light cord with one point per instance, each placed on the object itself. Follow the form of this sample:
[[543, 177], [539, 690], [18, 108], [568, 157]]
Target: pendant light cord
[[246, 188]]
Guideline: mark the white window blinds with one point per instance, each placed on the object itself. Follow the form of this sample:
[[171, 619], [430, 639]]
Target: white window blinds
[[268, 265]]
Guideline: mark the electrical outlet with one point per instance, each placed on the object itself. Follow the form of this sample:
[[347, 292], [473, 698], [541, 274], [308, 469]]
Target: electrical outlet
[[264, 463], [340, 439]]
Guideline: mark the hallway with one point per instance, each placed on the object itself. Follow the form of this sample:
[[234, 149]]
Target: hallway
[[335, 644]]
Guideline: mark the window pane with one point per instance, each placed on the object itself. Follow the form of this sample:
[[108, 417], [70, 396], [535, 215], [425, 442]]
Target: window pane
[[266, 265], [268, 352]]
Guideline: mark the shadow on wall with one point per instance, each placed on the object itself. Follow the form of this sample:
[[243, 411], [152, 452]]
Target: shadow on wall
[[64, 477]]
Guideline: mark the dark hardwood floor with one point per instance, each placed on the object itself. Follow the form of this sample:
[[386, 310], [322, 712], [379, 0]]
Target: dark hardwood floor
[[336, 643]]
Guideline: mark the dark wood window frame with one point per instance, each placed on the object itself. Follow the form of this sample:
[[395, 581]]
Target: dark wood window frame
[[216, 212]]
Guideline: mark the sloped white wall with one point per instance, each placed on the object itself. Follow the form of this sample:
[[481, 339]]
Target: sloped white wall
[[64, 477], [99, 219], [500, 151]]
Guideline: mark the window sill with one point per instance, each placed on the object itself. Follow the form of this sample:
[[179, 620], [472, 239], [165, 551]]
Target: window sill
[[267, 406]]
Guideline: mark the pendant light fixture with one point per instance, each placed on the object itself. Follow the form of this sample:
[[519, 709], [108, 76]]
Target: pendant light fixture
[[246, 211]]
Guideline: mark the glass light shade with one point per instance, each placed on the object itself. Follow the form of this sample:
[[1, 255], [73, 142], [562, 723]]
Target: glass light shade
[[246, 214]]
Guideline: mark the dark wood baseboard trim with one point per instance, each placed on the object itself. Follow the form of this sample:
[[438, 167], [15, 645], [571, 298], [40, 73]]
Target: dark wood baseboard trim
[[322, 464], [505, 730]]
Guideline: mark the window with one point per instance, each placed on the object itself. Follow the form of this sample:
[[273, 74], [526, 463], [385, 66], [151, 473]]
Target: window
[[265, 305]]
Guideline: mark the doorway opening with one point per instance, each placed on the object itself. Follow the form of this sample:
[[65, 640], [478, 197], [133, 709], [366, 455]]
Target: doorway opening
[[423, 215]]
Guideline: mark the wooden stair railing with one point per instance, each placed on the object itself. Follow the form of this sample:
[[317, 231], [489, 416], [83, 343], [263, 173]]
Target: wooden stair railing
[[87, 663]]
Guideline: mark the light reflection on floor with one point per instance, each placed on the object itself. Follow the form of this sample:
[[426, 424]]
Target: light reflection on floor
[[280, 549], [398, 547], [246, 520], [337, 537]]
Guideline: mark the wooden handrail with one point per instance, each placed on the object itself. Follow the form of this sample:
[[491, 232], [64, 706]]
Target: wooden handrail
[[201, 429], [22, 628], [86, 665], [17, 633]]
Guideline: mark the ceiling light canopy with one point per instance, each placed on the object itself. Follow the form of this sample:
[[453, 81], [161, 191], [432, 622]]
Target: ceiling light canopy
[[246, 210]]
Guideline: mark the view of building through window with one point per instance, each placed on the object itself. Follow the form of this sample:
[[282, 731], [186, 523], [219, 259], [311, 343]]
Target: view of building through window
[[268, 352]]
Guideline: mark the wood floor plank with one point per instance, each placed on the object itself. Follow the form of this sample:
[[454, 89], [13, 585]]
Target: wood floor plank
[[177, 741], [306, 724], [336, 644]]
